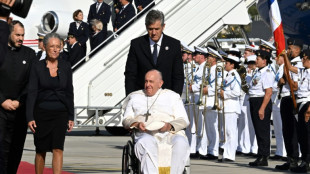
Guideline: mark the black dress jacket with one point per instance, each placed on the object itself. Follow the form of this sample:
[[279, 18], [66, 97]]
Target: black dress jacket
[[140, 61], [97, 39], [81, 33], [124, 16], [103, 15], [14, 73], [76, 54], [39, 87]]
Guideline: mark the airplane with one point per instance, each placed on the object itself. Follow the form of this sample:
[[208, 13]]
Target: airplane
[[50, 16], [295, 17]]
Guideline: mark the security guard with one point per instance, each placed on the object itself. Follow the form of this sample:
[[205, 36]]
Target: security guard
[[214, 58], [303, 104], [260, 106], [230, 94], [202, 140], [289, 122]]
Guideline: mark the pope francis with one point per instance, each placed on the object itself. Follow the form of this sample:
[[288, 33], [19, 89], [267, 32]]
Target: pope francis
[[160, 118]]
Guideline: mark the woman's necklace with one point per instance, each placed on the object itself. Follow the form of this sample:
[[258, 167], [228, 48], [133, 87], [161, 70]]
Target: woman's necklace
[[147, 114]]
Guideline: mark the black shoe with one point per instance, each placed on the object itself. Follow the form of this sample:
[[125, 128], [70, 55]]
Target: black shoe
[[302, 168], [238, 153], [260, 161], [284, 166], [194, 155], [276, 157], [209, 157]]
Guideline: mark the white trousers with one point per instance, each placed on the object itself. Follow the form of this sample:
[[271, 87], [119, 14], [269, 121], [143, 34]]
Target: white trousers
[[146, 150], [244, 144], [231, 135], [252, 139], [212, 132], [191, 129], [277, 126]]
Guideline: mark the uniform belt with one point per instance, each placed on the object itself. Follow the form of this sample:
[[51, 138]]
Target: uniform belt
[[286, 94], [254, 95], [302, 99]]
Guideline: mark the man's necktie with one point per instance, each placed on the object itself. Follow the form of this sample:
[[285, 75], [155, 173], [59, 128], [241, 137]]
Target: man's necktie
[[155, 54], [97, 7]]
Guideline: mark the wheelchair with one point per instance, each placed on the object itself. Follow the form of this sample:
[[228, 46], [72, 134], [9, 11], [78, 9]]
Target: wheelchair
[[131, 164]]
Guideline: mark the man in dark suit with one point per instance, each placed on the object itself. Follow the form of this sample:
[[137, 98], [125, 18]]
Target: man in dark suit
[[126, 13], [100, 11], [76, 50], [154, 51], [14, 74]]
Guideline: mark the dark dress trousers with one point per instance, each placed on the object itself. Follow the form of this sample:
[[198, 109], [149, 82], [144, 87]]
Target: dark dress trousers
[[103, 15], [124, 15], [140, 61], [81, 33], [76, 54], [14, 74], [4, 30]]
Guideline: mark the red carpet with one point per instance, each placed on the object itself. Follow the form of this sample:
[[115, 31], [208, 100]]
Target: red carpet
[[27, 168]]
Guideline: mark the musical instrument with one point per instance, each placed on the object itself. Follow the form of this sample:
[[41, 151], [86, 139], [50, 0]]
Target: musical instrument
[[242, 73]]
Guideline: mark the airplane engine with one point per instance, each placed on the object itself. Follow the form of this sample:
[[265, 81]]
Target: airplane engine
[[56, 21]]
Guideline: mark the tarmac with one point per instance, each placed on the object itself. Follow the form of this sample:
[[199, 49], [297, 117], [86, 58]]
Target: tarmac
[[88, 153]]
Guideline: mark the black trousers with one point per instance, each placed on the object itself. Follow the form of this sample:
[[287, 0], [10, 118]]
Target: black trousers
[[289, 127], [261, 127], [13, 130], [304, 133]]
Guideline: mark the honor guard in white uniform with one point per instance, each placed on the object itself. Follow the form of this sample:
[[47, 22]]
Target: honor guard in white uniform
[[289, 122], [303, 104], [187, 97], [231, 109], [280, 152], [247, 144], [260, 92], [160, 118], [199, 118], [214, 58], [252, 142]]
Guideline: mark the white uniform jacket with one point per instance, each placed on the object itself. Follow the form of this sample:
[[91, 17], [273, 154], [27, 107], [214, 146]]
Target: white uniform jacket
[[262, 79], [232, 92]]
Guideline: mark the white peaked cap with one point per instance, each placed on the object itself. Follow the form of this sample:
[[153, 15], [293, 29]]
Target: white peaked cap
[[251, 58], [268, 44], [186, 47], [234, 58], [214, 53], [201, 50]]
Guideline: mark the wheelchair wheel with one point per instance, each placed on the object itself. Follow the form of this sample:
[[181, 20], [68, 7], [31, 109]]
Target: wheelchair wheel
[[129, 160]]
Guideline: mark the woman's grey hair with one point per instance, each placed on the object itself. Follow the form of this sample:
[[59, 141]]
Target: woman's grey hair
[[50, 35], [98, 24], [153, 16]]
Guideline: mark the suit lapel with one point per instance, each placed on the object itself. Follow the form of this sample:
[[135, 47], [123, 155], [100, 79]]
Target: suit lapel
[[163, 49], [147, 49]]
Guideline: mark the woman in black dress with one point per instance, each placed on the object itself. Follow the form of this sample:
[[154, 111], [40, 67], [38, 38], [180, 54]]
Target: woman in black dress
[[50, 104], [99, 36]]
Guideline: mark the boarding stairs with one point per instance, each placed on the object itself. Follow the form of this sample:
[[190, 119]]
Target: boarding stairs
[[99, 83]]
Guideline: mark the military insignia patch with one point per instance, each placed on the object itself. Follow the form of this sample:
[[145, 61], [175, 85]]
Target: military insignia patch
[[268, 70], [233, 74]]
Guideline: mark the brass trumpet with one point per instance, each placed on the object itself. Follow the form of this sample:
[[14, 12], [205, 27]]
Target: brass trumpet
[[204, 83]]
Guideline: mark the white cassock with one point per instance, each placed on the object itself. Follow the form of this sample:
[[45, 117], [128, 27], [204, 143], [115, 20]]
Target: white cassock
[[165, 106]]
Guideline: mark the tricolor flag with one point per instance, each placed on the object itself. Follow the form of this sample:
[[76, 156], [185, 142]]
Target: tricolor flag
[[276, 25]]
